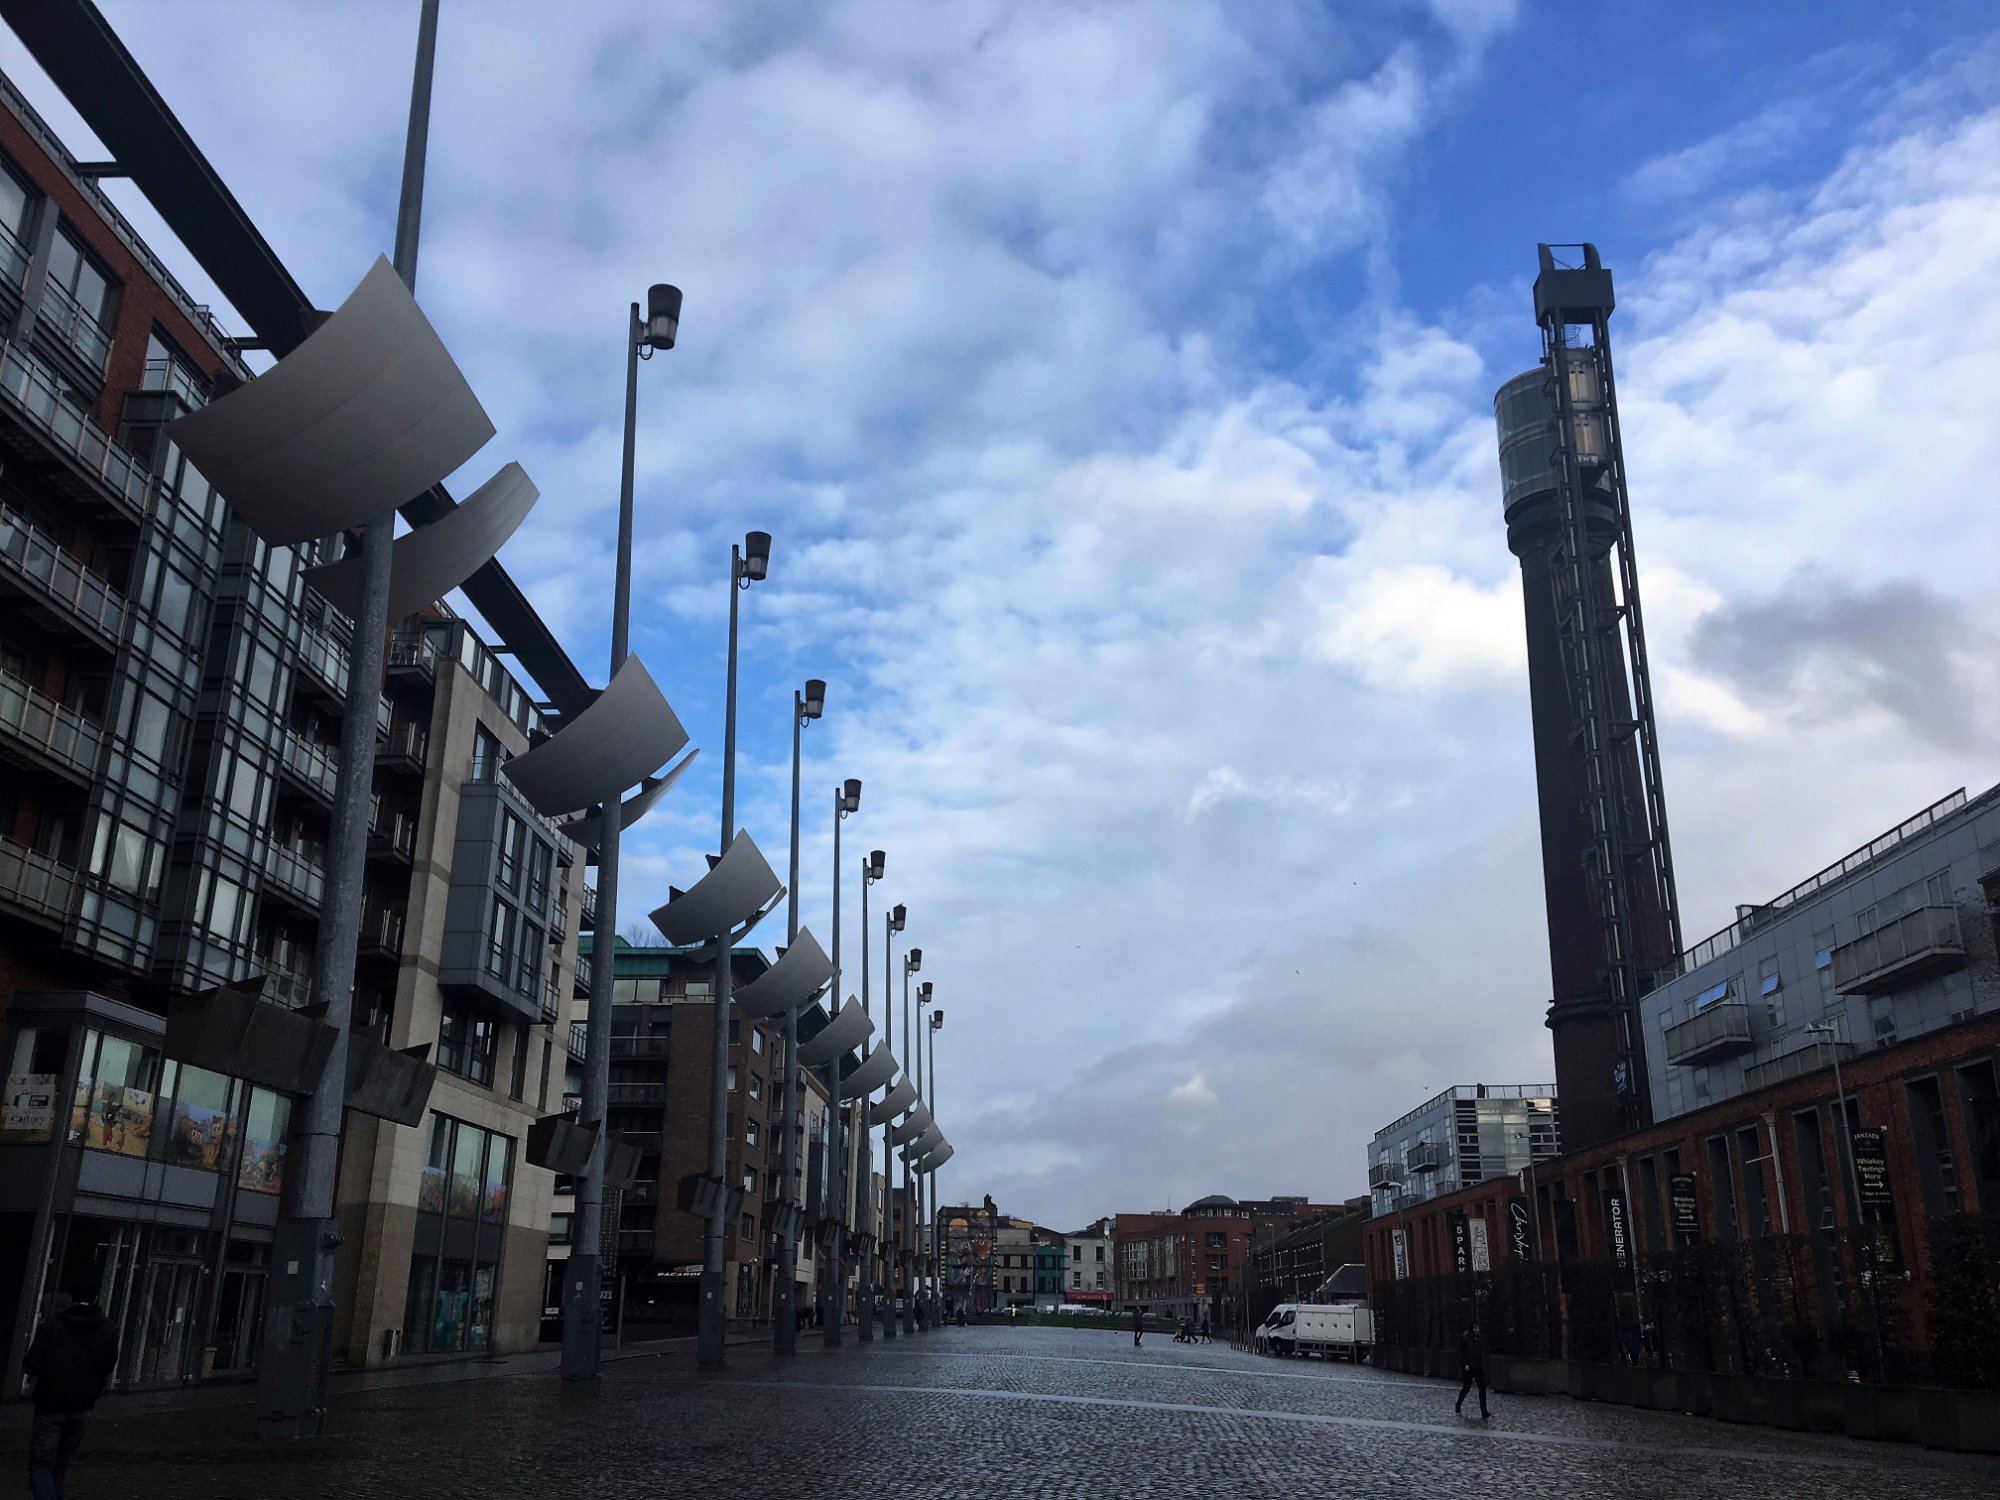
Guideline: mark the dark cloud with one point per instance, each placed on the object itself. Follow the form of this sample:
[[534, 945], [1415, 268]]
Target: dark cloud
[[1820, 649]]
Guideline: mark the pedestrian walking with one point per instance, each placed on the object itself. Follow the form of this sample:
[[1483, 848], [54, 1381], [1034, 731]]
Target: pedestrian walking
[[71, 1358], [1472, 1354], [1204, 1331], [1138, 1326]]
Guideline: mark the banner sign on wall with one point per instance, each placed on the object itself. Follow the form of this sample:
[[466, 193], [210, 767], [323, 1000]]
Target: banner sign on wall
[[1618, 1228], [1461, 1244], [1520, 1230], [1686, 1210], [1871, 1169], [1402, 1247], [1482, 1256]]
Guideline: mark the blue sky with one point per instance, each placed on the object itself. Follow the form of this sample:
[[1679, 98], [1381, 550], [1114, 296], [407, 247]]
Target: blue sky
[[1116, 380]]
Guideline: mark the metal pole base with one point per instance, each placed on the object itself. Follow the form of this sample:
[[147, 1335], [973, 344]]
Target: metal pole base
[[784, 1308], [713, 1322], [297, 1354], [582, 1343]]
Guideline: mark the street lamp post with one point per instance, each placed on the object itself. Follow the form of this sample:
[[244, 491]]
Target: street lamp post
[[907, 1242], [581, 1310], [833, 1293], [892, 923], [750, 563], [806, 707], [871, 871], [937, 1253], [1829, 1030]]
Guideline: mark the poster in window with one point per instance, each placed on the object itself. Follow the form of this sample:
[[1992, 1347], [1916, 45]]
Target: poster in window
[[200, 1136], [119, 1119], [30, 1107], [430, 1190], [263, 1169]]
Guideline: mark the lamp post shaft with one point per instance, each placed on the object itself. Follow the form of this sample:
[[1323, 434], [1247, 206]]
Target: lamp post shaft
[[937, 1264], [889, 1231], [906, 1241], [864, 1313], [784, 1313], [713, 1316], [832, 1200], [293, 1372]]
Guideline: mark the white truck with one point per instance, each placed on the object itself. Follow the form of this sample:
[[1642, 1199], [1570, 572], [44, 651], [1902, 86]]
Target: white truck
[[1305, 1328]]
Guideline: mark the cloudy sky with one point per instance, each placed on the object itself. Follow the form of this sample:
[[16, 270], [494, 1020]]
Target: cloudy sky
[[1116, 380]]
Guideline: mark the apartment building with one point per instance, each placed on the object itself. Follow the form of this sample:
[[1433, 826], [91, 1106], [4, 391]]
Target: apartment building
[[170, 692]]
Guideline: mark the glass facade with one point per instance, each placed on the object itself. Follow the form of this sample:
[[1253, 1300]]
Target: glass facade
[[461, 1219]]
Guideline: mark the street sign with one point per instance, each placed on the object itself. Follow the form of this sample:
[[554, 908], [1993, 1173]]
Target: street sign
[[1686, 1208], [1617, 1228], [1871, 1169]]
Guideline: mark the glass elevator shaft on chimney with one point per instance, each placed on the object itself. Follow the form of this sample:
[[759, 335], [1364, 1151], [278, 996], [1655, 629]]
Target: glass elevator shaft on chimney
[[1607, 866]]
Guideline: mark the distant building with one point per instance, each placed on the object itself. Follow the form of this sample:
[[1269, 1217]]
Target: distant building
[[1476, 1132], [1299, 1265], [1088, 1264], [1050, 1254], [1195, 1263]]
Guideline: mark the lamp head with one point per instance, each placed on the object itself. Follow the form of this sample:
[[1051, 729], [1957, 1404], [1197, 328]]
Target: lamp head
[[924, 993], [877, 862], [814, 702], [916, 959], [757, 556], [937, 1019], [898, 916], [850, 795], [663, 316]]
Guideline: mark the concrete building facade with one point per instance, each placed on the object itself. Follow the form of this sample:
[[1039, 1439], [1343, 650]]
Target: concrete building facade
[[1466, 1134]]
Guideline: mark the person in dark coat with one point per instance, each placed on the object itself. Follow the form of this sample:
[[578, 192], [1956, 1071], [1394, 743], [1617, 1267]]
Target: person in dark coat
[[71, 1358], [1472, 1354], [1138, 1326]]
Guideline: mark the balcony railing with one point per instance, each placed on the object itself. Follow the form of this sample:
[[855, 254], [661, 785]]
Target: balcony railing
[[636, 1093], [1383, 1174], [417, 653], [44, 726], [1720, 1029], [1915, 943], [551, 1002], [311, 764], [172, 375], [297, 871], [326, 659], [13, 259], [382, 934], [394, 833], [1795, 1064], [52, 574], [73, 323], [581, 981], [1425, 1156], [578, 1035], [37, 392], [287, 987], [633, 1241], [638, 1046], [645, 1142], [407, 744], [589, 917], [36, 883], [643, 1192]]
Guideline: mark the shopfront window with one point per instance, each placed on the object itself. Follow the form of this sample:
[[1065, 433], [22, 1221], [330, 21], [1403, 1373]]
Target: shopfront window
[[117, 1089], [203, 1127], [267, 1123], [454, 1267]]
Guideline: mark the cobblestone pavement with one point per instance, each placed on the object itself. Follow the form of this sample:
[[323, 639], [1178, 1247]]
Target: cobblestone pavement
[[986, 1412]]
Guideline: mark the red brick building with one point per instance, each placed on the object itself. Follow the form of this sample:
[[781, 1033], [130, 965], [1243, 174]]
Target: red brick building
[[1194, 1263]]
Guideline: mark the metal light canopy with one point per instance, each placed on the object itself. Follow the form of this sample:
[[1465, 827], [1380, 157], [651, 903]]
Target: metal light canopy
[[813, 703], [756, 564], [916, 959], [937, 1018], [924, 993], [850, 795], [663, 319], [877, 863], [898, 915]]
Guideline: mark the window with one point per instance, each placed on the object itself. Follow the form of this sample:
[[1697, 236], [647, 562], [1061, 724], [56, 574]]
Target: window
[[468, 1044], [462, 1199], [517, 1082], [1217, 1240], [513, 836], [749, 1132], [1979, 1096], [1712, 994], [748, 1227], [559, 1228], [756, 1039], [756, 1087], [79, 302], [265, 1126], [750, 1181], [1772, 988], [731, 1080], [1076, 1252], [487, 754], [1936, 1167]]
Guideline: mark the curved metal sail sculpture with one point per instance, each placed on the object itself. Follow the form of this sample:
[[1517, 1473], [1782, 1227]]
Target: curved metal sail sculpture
[[875, 1071], [737, 893], [849, 1028], [799, 977], [893, 1103]]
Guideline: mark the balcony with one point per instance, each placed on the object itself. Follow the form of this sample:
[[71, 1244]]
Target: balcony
[[112, 472], [311, 766], [393, 835], [1917, 943], [404, 750], [37, 730], [578, 1035], [1718, 1030], [381, 935], [643, 1192], [416, 654], [636, 1093], [35, 885], [589, 917], [1795, 1064], [551, 1002], [1385, 1174], [296, 873], [1425, 1156], [580, 980], [14, 259], [286, 987], [635, 1242], [74, 327], [57, 584], [325, 662], [638, 1046], [645, 1142]]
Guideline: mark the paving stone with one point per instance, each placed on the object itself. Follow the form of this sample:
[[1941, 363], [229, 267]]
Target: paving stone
[[987, 1413]]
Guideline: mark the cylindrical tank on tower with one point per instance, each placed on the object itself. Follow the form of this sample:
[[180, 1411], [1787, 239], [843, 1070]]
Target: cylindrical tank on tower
[[1524, 410]]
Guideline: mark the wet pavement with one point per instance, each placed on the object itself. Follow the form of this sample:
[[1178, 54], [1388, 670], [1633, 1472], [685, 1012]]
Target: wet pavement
[[986, 1412]]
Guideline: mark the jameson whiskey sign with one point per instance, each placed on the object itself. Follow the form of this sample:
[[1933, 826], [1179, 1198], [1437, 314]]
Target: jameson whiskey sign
[[1871, 1169], [1686, 1211]]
